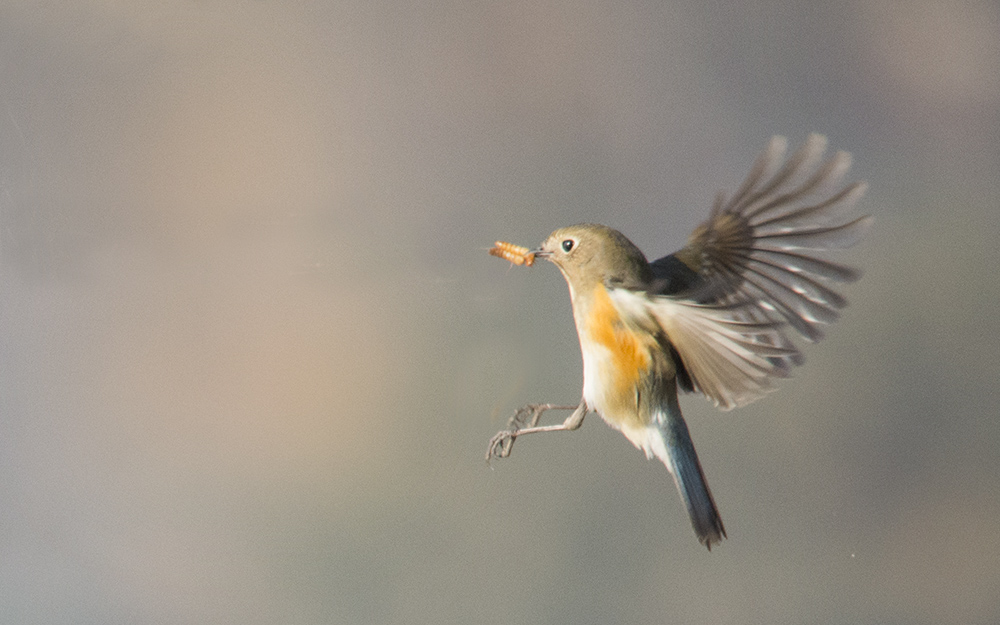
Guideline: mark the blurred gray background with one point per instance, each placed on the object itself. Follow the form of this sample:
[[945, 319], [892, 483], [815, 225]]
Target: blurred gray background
[[252, 346]]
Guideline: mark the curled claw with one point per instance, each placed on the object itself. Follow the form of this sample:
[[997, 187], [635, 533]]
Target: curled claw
[[516, 254], [501, 444], [503, 441], [525, 421]]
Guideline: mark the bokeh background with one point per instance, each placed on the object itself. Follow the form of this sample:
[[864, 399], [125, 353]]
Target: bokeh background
[[252, 346]]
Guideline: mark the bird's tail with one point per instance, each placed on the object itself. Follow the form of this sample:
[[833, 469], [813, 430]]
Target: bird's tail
[[669, 440]]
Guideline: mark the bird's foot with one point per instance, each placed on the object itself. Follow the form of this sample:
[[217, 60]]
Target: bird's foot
[[524, 421]]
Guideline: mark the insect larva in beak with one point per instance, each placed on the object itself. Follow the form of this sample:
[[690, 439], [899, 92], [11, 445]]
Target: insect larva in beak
[[514, 253]]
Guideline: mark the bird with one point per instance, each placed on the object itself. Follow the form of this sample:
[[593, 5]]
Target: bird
[[717, 317]]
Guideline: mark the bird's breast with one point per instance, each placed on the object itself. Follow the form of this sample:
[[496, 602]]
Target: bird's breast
[[616, 360]]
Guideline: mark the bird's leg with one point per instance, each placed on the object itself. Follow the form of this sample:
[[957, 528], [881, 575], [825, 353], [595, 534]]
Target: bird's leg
[[525, 421]]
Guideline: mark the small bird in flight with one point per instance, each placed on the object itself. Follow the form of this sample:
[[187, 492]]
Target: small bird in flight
[[711, 318]]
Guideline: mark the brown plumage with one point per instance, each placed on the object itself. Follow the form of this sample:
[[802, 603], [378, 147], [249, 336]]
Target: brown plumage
[[713, 317]]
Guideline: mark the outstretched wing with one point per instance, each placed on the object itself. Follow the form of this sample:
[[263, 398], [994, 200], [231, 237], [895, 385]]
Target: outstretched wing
[[724, 355], [755, 268]]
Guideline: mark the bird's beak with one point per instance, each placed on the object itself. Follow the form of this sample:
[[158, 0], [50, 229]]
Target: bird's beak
[[540, 253]]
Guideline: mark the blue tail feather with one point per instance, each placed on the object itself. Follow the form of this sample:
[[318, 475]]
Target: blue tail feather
[[682, 461]]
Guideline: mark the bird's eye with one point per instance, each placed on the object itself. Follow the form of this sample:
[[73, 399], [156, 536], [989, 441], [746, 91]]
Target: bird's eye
[[568, 244]]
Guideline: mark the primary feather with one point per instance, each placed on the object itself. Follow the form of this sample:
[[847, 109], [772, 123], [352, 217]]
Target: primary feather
[[753, 269]]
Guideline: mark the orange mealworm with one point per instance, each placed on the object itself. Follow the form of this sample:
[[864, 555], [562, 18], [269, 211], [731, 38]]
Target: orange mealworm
[[514, 253]]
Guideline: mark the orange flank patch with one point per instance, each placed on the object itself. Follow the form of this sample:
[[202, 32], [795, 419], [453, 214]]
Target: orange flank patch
[[619, 368]]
